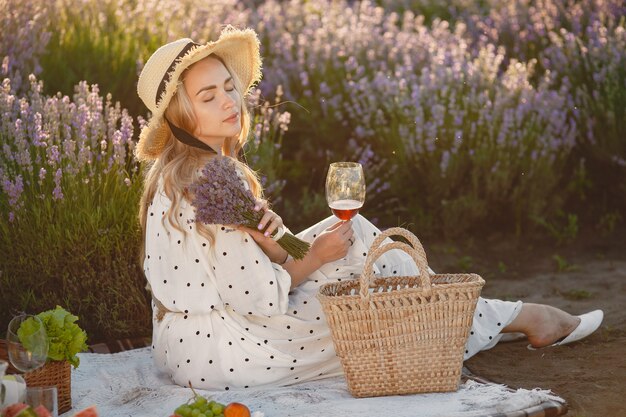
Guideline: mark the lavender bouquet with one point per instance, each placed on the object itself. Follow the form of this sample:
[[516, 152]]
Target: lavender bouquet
[[220, 197]]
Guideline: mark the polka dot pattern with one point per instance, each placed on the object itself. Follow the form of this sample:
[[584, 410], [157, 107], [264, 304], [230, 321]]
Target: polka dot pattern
[[234, 321]]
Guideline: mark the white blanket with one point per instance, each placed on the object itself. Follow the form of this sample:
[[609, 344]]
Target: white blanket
[[127, 384]]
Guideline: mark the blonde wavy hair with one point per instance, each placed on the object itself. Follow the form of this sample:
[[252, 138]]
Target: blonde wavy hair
[[178, 163]]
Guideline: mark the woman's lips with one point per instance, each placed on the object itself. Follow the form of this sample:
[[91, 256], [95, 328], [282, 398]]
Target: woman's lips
[[232, 119]]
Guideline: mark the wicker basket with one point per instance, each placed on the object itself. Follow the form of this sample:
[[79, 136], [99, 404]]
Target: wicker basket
[[401, 335], [54, 373]]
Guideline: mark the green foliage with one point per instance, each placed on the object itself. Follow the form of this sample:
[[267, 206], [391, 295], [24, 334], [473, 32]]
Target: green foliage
[[578, 294], [93, 41], [309, 208], [65, 337], [563, 229], [70, 239], [465, 263], [81, 253], [459, 214], [270, 135], [433, 9], [580, 184], [593, 66], [608, 222], [563, 265], [264, 147], [106, 42]]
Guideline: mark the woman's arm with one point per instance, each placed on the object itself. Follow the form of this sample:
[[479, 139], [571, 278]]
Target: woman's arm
[[300, 270], [330, 245], [272, 249]]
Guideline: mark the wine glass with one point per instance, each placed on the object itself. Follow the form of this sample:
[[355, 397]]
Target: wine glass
[[345, 189], [27, 347]]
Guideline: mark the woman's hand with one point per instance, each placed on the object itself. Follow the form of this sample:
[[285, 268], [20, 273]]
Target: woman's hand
[[262, 236], [270, 219], [330, 245], [334, 242]]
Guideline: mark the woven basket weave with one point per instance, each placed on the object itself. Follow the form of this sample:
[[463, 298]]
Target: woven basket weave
[[57, 373], [401, 335]]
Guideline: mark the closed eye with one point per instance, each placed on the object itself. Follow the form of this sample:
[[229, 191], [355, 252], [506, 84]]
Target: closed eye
[[227, 82], [229, 86]]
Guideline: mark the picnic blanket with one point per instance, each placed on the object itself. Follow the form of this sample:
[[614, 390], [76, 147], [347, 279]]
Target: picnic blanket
[[127, 384]]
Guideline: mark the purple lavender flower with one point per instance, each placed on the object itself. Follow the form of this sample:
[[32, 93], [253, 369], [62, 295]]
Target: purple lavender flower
[[25, 38], [13, 190], [57, 193], [53, 155], [221, 197]]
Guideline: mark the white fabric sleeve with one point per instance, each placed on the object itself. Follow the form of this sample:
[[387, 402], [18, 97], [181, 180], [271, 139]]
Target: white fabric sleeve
[[245, 278], [189, 276]]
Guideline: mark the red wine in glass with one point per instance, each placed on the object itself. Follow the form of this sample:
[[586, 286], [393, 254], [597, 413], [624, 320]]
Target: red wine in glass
[[345, 189], [345, 209]]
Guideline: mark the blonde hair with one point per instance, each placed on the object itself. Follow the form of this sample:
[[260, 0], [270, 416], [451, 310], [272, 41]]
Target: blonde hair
[[178, 164]]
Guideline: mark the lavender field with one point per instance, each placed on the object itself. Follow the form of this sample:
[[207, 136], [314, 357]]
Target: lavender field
[[471, 118]]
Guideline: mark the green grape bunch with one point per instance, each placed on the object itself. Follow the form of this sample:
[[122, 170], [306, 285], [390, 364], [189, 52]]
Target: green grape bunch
[[199, 406]]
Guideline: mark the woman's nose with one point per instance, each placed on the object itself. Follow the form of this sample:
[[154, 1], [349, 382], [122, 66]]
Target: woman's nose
[[228, 101]]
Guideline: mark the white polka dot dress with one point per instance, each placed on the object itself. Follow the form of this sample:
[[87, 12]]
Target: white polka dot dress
[[232, 320]]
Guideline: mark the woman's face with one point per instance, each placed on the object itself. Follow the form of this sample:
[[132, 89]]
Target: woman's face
[[216, 103]]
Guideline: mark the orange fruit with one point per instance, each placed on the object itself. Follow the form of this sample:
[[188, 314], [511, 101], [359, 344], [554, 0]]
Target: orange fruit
[[42, 411], [88, 412], [236, 410]]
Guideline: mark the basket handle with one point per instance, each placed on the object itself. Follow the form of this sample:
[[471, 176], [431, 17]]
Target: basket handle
[[410, 237], [397, 231], [418, 255]]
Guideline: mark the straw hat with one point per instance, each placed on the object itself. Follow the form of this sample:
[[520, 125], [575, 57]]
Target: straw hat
[[239, 49]]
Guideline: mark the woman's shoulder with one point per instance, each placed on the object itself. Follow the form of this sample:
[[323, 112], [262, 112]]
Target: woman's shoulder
[[160, 197], [164, 196]]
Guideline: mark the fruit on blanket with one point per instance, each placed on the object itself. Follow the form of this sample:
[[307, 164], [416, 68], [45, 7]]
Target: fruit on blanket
[[42, 411], [19, 410], [24, 410], [27, 412], [216, 408], [200, 407], [236, 410], [13, 409], [88, 412]]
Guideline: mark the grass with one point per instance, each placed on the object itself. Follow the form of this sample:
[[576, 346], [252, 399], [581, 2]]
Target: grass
[[75, 253], [563, 265], [578, 295], [465, 263], [90, 41]]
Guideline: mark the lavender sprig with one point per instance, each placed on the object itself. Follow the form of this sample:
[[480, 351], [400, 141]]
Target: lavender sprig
[[220, 197]]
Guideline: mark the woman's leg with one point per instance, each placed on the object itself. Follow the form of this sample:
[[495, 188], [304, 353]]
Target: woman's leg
[[542, 324]]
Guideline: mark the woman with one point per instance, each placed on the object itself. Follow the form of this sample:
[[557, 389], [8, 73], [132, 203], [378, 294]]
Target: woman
[[231, 309]]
